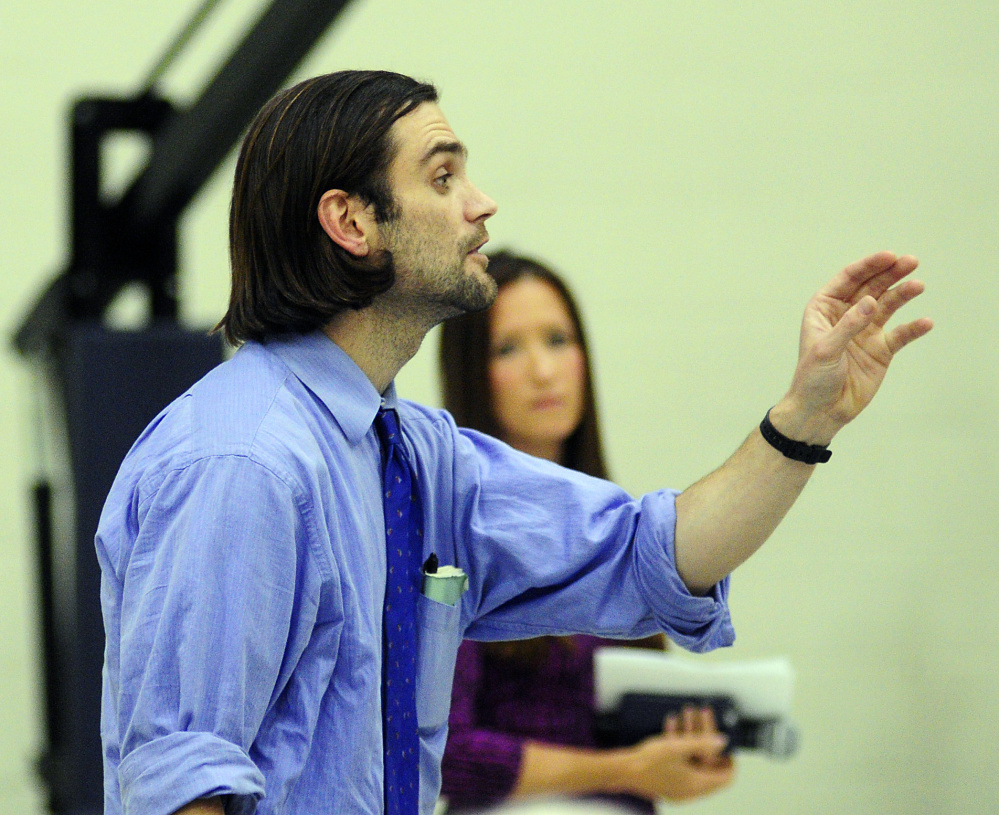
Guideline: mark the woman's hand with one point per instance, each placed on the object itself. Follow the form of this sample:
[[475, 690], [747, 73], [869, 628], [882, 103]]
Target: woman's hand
[[684, 761]]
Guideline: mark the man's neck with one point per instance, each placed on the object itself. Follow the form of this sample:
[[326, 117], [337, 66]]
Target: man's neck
[[378, 340]]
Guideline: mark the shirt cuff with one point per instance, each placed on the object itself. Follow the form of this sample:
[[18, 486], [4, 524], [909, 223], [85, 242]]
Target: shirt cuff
[[695, 623], [167, 773]]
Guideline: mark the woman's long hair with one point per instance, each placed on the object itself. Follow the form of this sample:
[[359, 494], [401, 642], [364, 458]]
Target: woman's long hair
[[464, 365]]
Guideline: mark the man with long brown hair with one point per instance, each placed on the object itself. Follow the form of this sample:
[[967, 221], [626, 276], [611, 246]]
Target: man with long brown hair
[[244, 542]]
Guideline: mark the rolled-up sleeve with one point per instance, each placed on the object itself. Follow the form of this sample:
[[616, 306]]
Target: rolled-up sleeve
[[216, 599], [553, 551], [695, 623], [165, 774]]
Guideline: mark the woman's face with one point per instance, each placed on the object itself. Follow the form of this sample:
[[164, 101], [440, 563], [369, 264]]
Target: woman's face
[[537, 372]]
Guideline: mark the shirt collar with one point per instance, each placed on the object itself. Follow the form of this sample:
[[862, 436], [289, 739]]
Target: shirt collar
[[326, 370]]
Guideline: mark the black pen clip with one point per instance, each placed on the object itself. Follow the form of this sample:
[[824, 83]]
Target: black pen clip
[[430, 567]]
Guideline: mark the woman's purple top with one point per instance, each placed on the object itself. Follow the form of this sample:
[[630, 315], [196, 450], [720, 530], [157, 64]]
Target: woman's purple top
[[497, 705]]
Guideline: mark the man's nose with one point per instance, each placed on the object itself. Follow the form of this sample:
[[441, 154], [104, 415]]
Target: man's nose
[[480, 207]]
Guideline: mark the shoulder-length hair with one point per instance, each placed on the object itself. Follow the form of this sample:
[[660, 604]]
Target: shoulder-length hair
[[464, 365], [328, 132]]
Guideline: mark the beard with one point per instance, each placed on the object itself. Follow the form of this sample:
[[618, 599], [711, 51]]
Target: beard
[[430, 273], [471, 293]]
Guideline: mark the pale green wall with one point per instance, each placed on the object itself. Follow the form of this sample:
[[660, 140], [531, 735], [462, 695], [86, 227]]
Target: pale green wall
[[697, 169]]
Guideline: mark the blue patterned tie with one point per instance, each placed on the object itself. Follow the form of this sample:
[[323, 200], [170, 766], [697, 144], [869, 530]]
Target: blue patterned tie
[[403, 533]]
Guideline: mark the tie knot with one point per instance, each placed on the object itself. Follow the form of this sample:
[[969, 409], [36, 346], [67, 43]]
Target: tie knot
[[387, 425]]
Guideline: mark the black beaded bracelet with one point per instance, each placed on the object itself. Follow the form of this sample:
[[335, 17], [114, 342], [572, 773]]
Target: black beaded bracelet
[[796, 450]]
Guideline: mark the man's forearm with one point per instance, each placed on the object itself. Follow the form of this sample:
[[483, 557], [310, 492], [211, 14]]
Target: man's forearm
[[726, 516], [203, 806]]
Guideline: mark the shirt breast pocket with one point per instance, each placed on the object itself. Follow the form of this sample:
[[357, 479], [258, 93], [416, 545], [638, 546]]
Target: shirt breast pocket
[[439, 632]]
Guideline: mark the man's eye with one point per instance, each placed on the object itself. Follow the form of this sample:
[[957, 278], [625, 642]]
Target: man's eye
[[443, 179], [504, 350], [557, 339]]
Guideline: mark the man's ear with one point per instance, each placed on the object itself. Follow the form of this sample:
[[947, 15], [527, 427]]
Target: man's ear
[[348, 221]]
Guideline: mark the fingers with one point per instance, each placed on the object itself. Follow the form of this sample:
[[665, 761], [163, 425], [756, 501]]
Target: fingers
[[712, 763], [688, 760], [707, 720], [702, 748], [690, 721], [902, 335], [671, 725], [893, 299], [857, 318], [872, 275], [694, 732], [706, 747], [710, 741], [877, 304], [707, 777]]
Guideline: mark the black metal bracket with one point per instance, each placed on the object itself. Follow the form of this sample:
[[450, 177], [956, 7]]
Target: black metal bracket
[[134, 239], [109, 249]]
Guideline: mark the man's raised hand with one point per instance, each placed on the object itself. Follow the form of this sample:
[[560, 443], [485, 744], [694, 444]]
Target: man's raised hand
[[845, 346]]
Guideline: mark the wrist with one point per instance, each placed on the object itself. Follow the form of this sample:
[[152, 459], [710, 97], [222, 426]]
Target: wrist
[[620, 769], [791, 448], [791, 420]]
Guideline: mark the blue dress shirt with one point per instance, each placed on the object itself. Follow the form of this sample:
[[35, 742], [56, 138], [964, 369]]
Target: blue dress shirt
[[243, 556]]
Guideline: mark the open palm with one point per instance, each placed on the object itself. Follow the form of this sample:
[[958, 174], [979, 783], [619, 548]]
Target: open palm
[[845, 347]]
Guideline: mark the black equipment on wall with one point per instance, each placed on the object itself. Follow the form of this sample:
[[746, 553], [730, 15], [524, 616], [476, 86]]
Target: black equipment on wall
[[112, 384], [109, 384]]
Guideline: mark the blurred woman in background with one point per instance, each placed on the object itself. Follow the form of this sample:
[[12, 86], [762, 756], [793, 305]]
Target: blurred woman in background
[[522, 716]]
